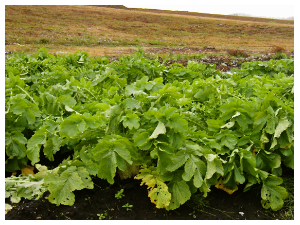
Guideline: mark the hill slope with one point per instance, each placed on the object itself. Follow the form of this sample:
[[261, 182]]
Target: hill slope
[[104, 30]]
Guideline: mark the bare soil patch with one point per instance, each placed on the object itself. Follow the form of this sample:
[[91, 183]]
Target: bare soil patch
[[89, 204]]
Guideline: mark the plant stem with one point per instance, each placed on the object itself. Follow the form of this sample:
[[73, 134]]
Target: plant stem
[[27, 94]]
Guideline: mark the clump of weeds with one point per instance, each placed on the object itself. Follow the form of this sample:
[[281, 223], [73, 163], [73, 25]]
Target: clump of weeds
[[237, 53]]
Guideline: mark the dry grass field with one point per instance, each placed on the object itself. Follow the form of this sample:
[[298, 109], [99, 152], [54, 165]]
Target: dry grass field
[[118, 30]]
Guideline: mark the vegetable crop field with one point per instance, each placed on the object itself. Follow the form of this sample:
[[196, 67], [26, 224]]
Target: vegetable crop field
[[178, 130], [143, 136]]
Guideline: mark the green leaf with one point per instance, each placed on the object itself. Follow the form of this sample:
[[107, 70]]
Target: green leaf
[[88, 163], [243, 140], [131, 121], [178, 161], [164, 159], [141, 138], [30, 117], [282, 126], [93, 122], [214, 144], [267, 161], [176, 139], [31, 189], [238, 177], [133, 90], [273, 195], [163, 146], [72, 125], [52, 146], [13, 164], [180, 193], [260, 120], [270, 128], [61, 186], [214, 125], [228, 125], [160, 129], [67, 100], [229, 140], [21, 106], [110, 153], [178, 123], [214, 165], [248, 162], [242, 121], [194, 167], [15, 145], [131, 103], [34, 145], [142, 141]]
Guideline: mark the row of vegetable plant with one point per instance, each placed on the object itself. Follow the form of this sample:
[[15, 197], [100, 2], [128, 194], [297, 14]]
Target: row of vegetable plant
[[180, 130]]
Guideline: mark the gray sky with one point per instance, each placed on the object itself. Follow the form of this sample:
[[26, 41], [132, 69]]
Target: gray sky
[[259, 8], [262, 8]]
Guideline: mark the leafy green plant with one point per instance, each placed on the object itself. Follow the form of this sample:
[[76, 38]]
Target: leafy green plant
[[279, 55], [127, 206], [101, 216], [177, 129], [119, 194], [29, 186]]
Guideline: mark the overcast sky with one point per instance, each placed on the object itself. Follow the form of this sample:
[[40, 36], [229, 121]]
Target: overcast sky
[[262, 8], [259, 8]]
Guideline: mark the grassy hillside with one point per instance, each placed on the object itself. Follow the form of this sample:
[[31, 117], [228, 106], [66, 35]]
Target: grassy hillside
[[104, 30]]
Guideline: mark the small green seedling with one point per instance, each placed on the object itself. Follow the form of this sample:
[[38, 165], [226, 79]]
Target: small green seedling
[[120, 194], [127, 206], [101, 216]]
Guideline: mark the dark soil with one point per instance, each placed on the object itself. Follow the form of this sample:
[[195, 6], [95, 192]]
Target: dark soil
[[101, 200], [224, 62]]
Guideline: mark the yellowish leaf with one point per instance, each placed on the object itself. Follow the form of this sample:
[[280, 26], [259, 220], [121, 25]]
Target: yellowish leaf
[[220, 185]]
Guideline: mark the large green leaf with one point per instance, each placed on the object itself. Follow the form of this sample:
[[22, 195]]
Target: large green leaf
[[229, 140], [282, 125], [273, 195], [52, 146], [34, 145], [247, 162], [131, 121], [21, 106], [260, 120], [61, 186], [178, 123], [178, 160], [267, 161], [15, 145], [180, 193], [67, 100], [194, 167], [72, 125], [110, 153], [160, 129], [164, 154], [214, 165], [142, 140]]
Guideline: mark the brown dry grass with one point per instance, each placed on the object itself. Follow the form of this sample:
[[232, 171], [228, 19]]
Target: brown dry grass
[[71, 28], [237, 52]]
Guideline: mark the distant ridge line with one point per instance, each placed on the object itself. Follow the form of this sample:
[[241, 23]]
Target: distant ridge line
[[187, 13]]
